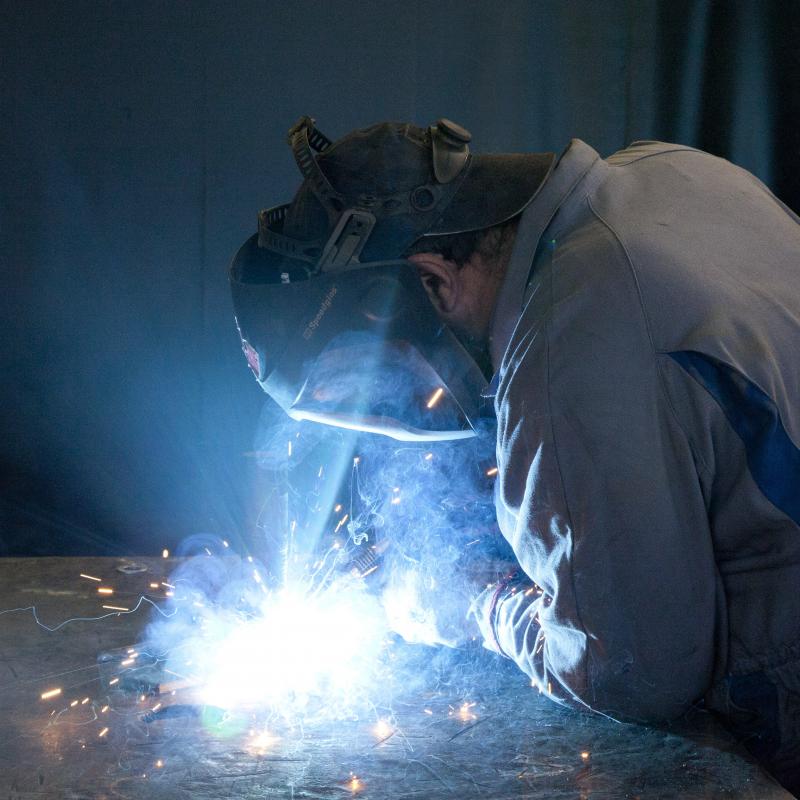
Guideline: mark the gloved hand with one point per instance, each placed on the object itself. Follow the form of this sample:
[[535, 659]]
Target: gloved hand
[[429, 608], [500, 605]]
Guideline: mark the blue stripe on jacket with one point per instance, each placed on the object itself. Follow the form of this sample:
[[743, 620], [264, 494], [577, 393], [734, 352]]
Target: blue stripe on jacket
[[772, 457]]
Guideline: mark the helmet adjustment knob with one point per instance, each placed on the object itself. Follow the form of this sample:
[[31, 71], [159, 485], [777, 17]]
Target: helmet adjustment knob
[[452, 130], [450, 143]]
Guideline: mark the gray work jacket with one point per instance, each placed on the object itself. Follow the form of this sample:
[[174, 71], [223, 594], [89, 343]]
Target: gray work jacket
[[648, 405]]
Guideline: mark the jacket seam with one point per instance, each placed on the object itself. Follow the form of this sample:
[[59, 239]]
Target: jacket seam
[[610, 161]]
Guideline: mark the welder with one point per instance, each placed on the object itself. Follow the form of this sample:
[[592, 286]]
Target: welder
[[634, 324]]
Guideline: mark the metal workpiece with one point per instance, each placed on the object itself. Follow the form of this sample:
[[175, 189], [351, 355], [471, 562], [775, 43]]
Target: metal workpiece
[[460, 723]]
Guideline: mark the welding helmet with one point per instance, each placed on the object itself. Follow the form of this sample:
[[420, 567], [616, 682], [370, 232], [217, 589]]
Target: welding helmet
[[335, 324]]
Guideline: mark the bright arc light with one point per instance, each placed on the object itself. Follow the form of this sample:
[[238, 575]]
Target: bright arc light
[[301, 644]]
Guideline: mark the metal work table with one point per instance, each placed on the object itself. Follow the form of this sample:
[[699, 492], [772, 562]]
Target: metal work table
[[510, 743]]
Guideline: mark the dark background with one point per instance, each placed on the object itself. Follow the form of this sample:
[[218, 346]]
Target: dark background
[[139, 139]]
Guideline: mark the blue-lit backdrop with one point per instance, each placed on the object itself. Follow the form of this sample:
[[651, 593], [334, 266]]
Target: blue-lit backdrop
[[138, 141]]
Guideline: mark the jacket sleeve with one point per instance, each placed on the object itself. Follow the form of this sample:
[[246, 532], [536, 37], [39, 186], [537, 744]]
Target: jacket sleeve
[[600, 498]]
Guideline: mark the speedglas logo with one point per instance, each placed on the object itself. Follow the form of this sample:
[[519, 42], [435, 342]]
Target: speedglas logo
[[323, 309]]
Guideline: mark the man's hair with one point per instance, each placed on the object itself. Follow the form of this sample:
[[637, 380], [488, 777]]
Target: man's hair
[[493, 244]]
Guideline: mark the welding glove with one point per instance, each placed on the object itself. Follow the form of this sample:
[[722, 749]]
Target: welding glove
[[425, 608], [499, 608]]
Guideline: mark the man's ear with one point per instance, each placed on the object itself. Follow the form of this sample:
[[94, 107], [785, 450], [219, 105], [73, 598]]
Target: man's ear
[[441, 280]]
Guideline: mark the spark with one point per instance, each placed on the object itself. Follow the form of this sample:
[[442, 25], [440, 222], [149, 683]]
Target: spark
[[492, 471], [116, 608], [289, 449], [465, 712], [337, 508], [102, 733], [435, 397], [369, 571], [355, 784], [159, 764], [84, 701], [382, 729], [104, 590], [90, 577], [165, 553], [427, 711], [585, 755], [104, 709], [225, 543], [113, 681], [262, 741], [50, 693], [154, 585], [428, 456], [73, 704], [127, 662], [168, 585], [341, 522]]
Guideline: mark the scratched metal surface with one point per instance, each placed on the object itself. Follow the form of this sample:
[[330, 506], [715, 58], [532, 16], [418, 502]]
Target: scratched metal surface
[[517, 745]]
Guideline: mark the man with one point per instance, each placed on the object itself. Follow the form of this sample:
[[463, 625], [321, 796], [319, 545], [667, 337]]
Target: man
[[639, 318]]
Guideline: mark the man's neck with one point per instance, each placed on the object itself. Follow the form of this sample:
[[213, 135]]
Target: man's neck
[[474, 334]]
